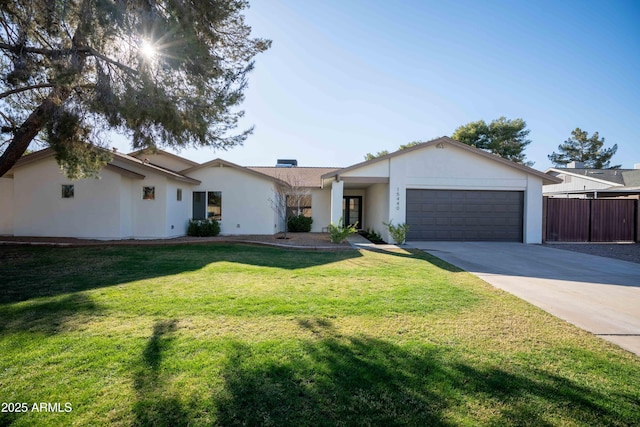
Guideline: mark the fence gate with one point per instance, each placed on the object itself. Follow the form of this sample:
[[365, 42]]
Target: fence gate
[[590, 220]]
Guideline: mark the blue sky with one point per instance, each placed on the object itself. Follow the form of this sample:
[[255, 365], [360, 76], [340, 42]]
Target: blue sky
[[344, 78]]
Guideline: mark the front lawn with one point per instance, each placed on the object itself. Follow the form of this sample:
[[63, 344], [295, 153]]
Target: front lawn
[[239, 335]]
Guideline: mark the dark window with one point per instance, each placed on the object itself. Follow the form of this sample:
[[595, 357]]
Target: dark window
[[179, 195], [214, 205], [297, 205], [67, 191], [148, 193]]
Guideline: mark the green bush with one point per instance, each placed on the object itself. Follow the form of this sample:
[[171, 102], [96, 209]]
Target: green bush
[[398, 232], [299, 223], [339, 233], [372, 236], [203, 227]]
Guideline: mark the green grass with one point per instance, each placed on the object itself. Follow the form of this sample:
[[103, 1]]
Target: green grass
[[241, 335]]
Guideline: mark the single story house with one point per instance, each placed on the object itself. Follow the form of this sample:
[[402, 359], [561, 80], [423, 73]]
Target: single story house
[[588, 183], [443, 189]]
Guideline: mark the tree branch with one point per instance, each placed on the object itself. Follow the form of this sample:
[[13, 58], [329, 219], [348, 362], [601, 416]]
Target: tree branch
[[89, 51], [25, 88]]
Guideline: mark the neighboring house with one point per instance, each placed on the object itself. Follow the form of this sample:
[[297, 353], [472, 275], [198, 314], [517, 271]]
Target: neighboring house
[[580, 182], [443, 189]]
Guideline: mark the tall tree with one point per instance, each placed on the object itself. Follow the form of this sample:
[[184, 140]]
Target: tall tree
[[582, 148], [164, 72], [371, 156], [504, 137]]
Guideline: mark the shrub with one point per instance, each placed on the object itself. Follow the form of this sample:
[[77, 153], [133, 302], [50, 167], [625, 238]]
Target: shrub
[[398, 232], [373, 236], [203, 227], [299, 223], [339, 233]]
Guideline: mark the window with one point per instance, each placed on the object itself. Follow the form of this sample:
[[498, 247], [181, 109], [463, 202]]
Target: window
[[297, 205], [214, 205], [67, 191], [148, 193], [179, 195]]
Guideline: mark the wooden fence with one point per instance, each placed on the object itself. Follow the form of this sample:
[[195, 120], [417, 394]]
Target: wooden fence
[[590, 220]]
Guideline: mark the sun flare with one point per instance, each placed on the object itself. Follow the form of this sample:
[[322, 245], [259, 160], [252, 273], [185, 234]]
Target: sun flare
[[148, 50]]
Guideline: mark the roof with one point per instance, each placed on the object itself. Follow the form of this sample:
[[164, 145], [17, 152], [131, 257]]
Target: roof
[[221, 162], [546, 178], [50, 152], [615, 177], [298, 176], [164, 153]]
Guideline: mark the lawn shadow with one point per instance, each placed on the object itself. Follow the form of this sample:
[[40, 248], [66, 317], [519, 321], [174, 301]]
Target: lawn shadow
[[48, 317], [155, 404], [31, 272], [407, 252], [356, 380]]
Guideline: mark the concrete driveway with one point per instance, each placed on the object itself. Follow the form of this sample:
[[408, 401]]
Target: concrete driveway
[[600, 295]]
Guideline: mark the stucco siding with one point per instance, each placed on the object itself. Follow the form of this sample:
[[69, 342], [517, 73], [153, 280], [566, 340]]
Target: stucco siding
[[376, 208], [93, 212], [320, 209], [6, 206], [178, 211], [150, 216], [379, 170], [246, 208], [126, 207]]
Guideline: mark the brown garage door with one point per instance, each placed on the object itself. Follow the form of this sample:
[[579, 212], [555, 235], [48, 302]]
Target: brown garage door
[[461, 215]]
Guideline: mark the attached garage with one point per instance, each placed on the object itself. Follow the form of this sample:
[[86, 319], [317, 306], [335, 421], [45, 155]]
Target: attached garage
[[465, 215]]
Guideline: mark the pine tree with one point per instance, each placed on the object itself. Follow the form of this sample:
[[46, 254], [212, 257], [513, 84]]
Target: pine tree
[[164, 72], [582, 148], [503, 137]]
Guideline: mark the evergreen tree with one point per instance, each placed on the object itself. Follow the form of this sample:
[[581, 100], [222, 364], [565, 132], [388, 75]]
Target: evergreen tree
[[582, 148], [164, 72], [504, 137]]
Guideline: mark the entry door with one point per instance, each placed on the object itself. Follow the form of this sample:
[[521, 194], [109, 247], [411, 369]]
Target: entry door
[[199, 204], [352, 210]]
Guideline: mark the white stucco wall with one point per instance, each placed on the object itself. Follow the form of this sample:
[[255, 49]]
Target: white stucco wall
[[126, 207], [378, 169], [376, 207], [150, 216], [320, 209], [178, 212], [6, 206], [245, 199], [40, 210], [533, 211]]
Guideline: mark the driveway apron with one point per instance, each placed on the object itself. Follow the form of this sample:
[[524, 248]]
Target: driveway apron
[[600, 295]]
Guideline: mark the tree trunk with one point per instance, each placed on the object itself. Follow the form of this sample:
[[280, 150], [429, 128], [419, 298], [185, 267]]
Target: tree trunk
[[31, 127]]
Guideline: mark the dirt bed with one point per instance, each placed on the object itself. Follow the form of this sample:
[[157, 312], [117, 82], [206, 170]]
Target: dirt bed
[[623, 251]]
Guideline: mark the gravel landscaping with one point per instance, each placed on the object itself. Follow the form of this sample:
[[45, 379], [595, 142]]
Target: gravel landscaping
[[622, 251]]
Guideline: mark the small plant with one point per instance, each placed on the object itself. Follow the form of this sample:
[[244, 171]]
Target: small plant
[[299, 223], [398, 232], [339, 233], [373, 236], [203, 227]]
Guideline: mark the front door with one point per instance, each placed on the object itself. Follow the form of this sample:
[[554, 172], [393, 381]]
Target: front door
[[352, 210]]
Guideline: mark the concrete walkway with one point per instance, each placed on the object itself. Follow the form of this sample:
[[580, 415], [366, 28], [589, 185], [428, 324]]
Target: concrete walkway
[[600, 295]]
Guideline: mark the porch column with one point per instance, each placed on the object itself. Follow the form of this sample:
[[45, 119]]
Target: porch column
[[337, 190]]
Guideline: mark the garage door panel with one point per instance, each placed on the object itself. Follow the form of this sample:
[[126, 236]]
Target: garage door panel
[[465, 215]]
